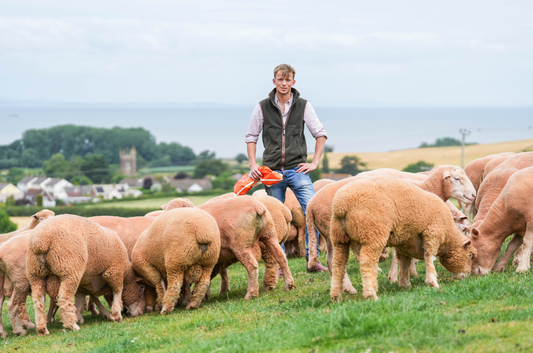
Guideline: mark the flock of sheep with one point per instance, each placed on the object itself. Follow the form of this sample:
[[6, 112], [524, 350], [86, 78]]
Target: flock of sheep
[[144, 264]]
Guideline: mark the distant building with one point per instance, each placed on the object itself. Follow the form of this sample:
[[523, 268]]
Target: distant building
[[128, 162], [8, 189], [191, 185], [48, 199], [113, 191], [132, 183]]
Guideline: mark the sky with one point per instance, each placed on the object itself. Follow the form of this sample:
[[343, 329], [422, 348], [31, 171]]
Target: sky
[[346, 53]]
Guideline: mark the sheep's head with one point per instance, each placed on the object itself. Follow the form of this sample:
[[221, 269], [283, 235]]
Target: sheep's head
[[177, 203], [133, 294], [459, 259], [457, 185], [42, 215], [461, 222], [488, 253]]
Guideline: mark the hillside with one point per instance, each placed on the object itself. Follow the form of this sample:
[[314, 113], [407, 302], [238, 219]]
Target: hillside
[[437, 155]]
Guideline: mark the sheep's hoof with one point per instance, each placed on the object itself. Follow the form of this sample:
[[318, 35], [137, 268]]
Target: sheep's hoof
[[249, 296], [268, 288], [289, 286], [116, 316], [20, 332], [28, 325], [379, 270], [522, 269], [93, 311], [371, 296], [393, 279], [149, 309], [349, 289], [43, 331], [80, 320], [193, 305], [433, 283], [405, 284], [73, 327], [498, 268], [3, 334], [413, 273], [336, 297]]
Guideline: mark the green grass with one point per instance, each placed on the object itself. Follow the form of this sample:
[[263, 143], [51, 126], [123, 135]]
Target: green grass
[[494, 311], [152, 203]]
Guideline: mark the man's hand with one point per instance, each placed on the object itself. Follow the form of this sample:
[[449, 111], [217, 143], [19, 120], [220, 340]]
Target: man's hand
[[306, 167], [255, 174]]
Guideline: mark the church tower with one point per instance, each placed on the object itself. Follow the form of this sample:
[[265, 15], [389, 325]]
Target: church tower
[[128, 162]]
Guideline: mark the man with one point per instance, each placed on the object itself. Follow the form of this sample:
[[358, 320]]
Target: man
[[281, 117]]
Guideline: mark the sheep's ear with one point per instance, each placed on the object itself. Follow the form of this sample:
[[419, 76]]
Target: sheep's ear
[[475, 232], [164, 206], [139, 279], [35, 217], [446, 175], [467, 244]]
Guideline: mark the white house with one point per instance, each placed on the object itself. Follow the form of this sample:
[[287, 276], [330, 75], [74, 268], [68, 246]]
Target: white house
[[56, 186], [191, 185]]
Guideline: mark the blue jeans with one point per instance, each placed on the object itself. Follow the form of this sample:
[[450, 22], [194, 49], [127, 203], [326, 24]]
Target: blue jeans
[[303, 189]]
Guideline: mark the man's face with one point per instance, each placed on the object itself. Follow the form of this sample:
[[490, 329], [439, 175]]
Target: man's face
[[283, 83]]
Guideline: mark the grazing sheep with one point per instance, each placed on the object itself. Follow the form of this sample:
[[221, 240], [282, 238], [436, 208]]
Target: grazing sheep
[[35, 220], [14, 284], [244, 222], [372, 213], [85, 256], [510, 213], [182, 244], [174, 203], [445, 181]]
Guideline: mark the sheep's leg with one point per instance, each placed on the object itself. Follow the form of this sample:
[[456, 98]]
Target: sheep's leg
[[224, 281], [412, 268], [23, 313], [341, 253], [175, 281], [369, 270], [79, 304], [393, 272], [405, 263], [249, 262], [186, 294], [201, 287], [19, 294], [431, 272], [270, 278], [65, 301], [38, 290], [3, 332], [150, 295], [276, 251], [103, 311], [115, 280], [302, 246], [511, 248], [524, 260], [52, 310], [517, 254], [91, 306]]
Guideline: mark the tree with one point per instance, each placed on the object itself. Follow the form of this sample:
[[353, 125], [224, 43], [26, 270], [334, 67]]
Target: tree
[[419, 166], [10, 201], [56, 166], [181, 175], [224, 181], [6, 225], [147, 183], [205, 156], [14, 175], [81, 180], [30, 158], [444, 142], [328, 149], [210, 167], [315, 174], [325, 163], [95, 168], [351, 165], [241, 157], [39, 200]]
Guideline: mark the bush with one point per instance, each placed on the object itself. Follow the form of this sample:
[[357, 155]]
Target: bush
[[80, 211], [417, 167], [6, 225]]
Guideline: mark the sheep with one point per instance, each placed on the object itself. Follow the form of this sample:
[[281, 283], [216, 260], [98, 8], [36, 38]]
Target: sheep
[[35, 220], [84, 256], [182, 244], [371, 213], [282, 221], [510, 213], [244, 222], [445, 181], [174, 203]]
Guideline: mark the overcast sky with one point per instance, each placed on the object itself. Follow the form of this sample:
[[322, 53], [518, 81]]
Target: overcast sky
[[436, 53]]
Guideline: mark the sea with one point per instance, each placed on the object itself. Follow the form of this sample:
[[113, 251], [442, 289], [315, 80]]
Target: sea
[[222, 128]]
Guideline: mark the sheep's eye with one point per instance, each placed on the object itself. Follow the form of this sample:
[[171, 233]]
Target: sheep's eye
[[470, 256], [458, 179]]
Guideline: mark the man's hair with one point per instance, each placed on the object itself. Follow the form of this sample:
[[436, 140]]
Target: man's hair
[[286, 70]]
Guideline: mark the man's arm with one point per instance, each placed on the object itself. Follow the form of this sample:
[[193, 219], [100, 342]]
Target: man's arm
[[251, 148], [319, 149]]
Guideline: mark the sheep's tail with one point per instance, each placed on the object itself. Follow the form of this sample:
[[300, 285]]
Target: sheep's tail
[[310, 222], [39, 243]]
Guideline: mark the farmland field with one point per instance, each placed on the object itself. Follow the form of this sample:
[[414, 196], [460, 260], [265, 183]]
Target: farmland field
[[479, 314], [152, 203]]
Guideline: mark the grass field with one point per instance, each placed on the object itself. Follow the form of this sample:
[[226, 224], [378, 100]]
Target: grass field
[[437, 155], [479, 314], [153, 203]]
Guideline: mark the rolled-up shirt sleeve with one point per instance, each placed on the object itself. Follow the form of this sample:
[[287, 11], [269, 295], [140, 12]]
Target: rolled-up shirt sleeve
[[256, 125], [313, 124]]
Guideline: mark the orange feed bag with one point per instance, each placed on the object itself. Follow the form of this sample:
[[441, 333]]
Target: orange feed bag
[[246, 183]]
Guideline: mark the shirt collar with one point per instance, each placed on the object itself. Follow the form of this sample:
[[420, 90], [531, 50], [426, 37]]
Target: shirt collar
[[277, 100]]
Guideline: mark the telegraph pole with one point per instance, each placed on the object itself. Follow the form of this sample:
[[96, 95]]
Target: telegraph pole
[[465, 133]]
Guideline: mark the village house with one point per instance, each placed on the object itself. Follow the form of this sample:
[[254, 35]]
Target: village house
[[191, 185], [8, 189]]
